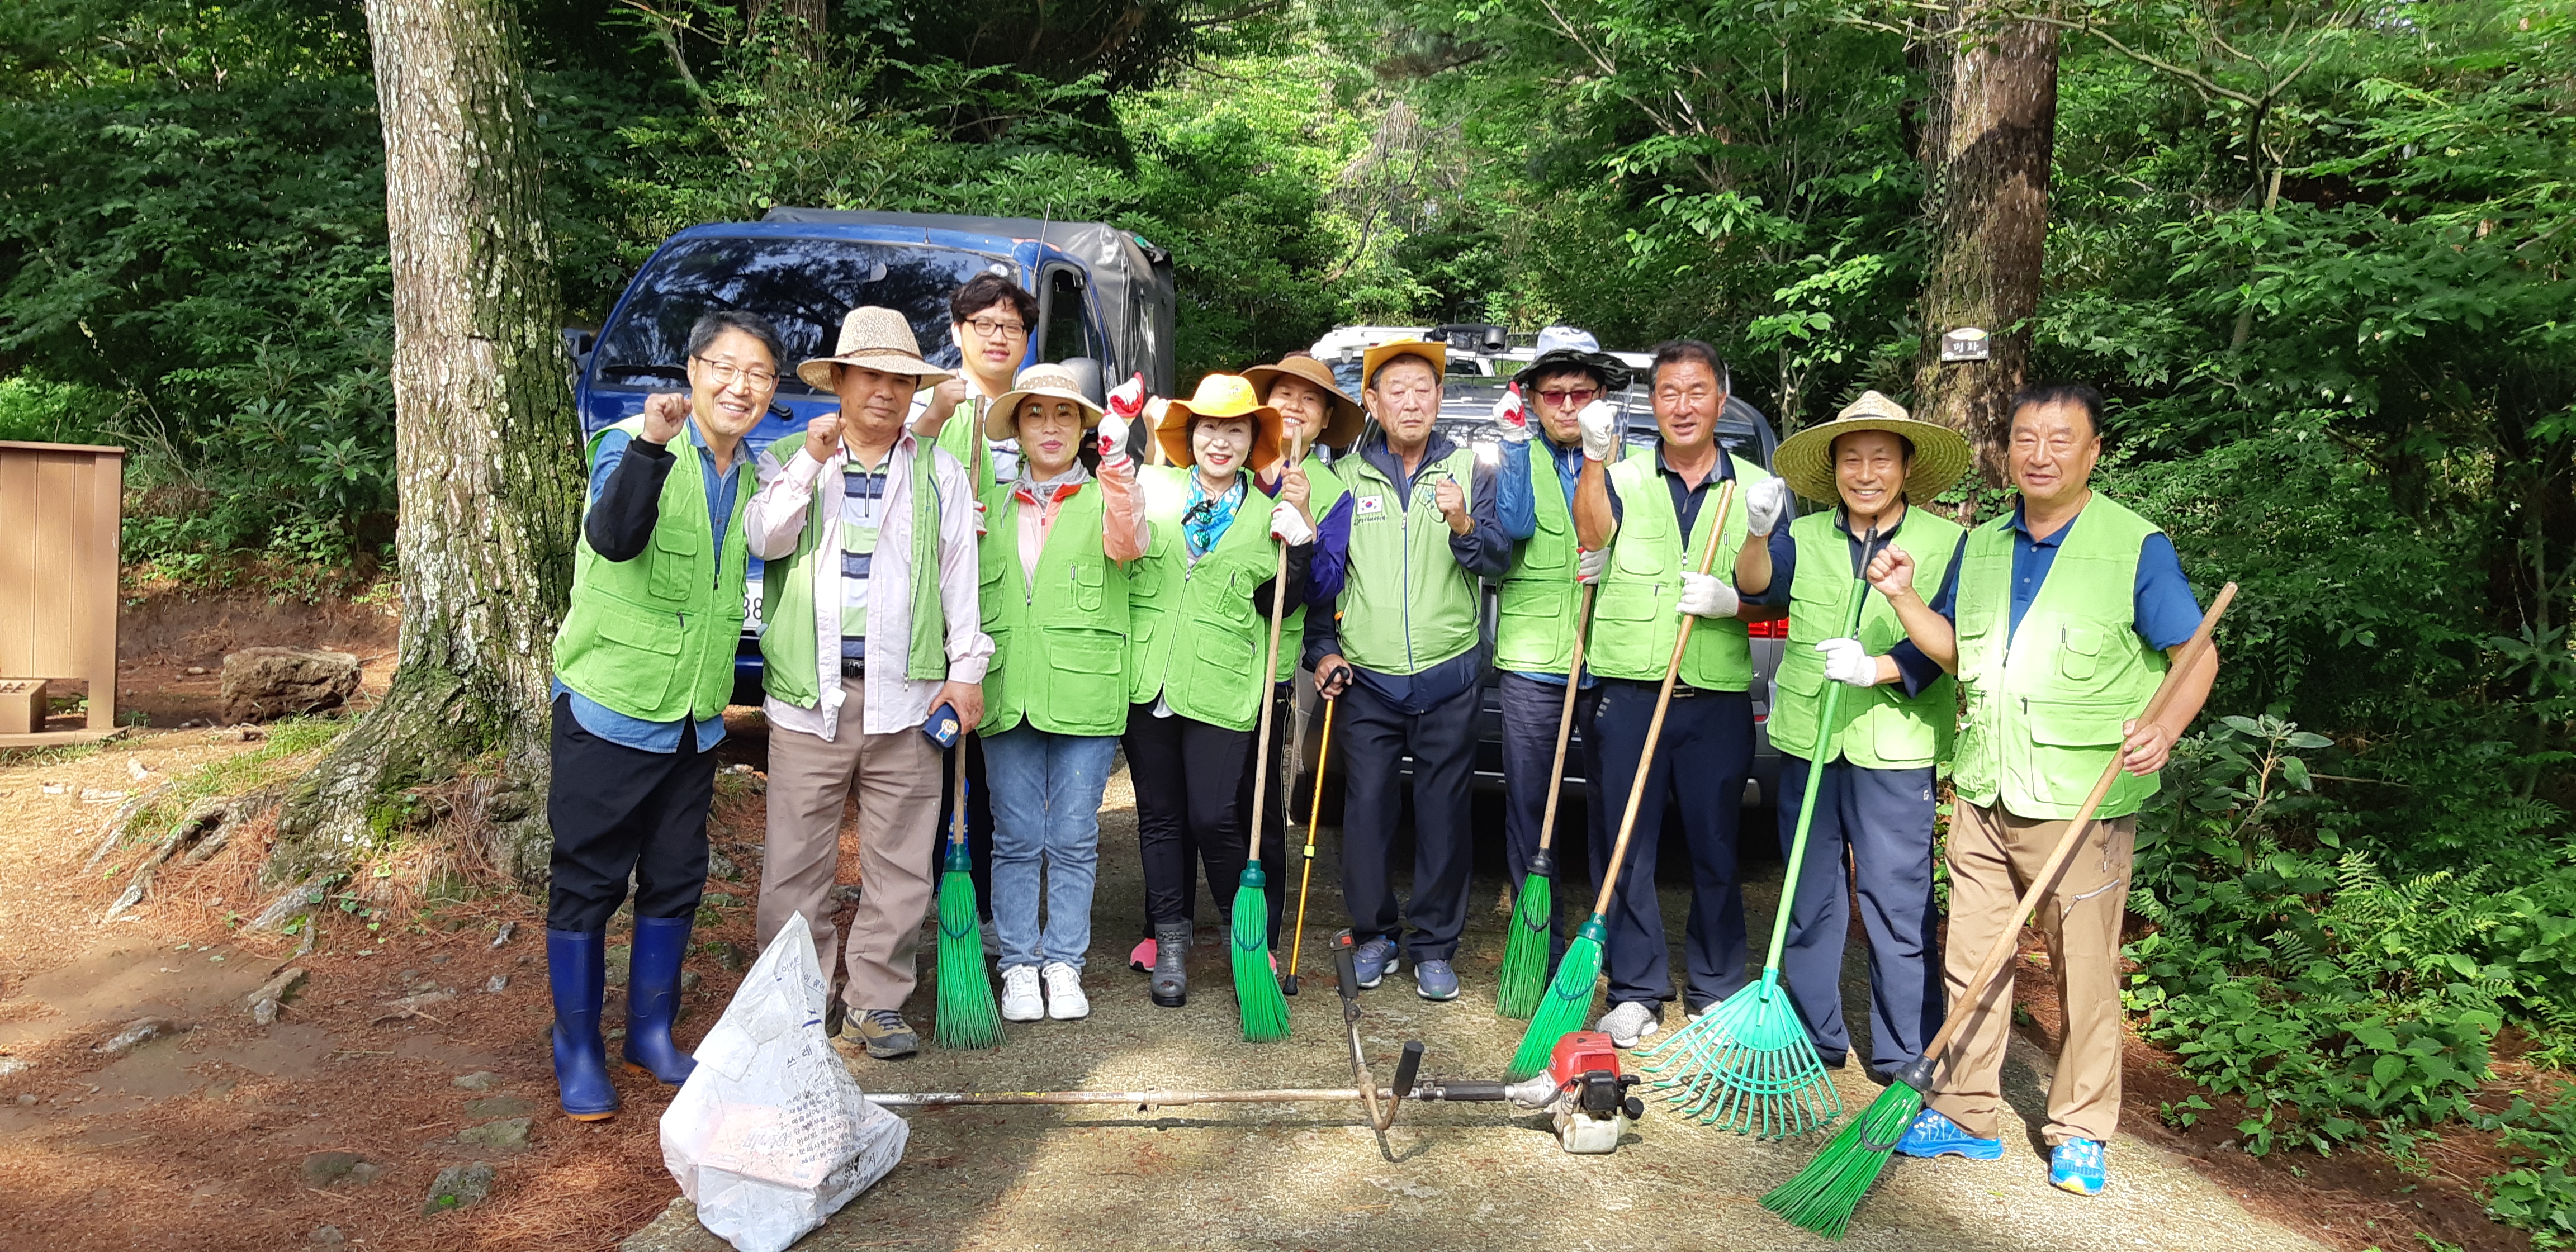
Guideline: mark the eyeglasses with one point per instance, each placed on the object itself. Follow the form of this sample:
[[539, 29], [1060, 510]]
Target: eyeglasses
[[1577, 396], [726, 374], [989, 327]]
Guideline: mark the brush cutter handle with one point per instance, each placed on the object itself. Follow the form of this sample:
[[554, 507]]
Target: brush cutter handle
[[1349, 976], [1565, 722], [1663, 704], [2045, 881], [1818, 758]]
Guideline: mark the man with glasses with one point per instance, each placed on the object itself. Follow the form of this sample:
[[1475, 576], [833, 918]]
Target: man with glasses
[[1650, 512], [1539, 604], [643, 668], [1402, 657]]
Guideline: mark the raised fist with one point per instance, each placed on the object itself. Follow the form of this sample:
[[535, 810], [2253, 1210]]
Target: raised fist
[[1113, 434], [1126, 402], [1600, 422], [1765, 504], [823, 436], [1512, 416], [664, 414], [1891, 573]]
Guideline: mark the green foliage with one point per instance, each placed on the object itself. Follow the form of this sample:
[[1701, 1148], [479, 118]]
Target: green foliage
[[2538, 1194]]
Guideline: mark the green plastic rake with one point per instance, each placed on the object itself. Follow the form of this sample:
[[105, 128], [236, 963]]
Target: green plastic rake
[[1748, 1064]]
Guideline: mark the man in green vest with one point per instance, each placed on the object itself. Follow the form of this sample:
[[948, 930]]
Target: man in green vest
[[2059, 620], [643, 667], [869, 532], [1403, 659], [1541, 597], [1874, 803], [1650, 512]]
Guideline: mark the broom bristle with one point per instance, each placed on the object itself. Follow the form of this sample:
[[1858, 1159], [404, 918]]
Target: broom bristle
[[1256, 984], [1524, 973], [1824, 1194], [1569, 996], [968, 1018]]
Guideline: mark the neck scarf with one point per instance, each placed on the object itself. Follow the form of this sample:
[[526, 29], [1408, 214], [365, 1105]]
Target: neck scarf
[[1204, 520]]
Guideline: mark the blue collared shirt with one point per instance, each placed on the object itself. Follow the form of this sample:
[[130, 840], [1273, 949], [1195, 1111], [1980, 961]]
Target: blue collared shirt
[[608, 723]]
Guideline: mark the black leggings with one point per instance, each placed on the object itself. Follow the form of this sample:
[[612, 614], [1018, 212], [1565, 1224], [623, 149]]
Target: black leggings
[[1188, 776]]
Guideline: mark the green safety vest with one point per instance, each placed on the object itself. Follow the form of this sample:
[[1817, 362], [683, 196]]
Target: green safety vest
[[653, 638], [789, 664], [1536, 609], [2045, 710], [1059, 640], [1324, 489], [1633, 613], [1407, 604], [1881, 727], [1197, 642]]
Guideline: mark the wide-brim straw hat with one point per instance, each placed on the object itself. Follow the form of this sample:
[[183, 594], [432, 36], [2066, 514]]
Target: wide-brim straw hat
[[1806, 459], [1432, 350], [876, 339], [1342, 425], [1221, 395], [1054, 382], [1564, 347]]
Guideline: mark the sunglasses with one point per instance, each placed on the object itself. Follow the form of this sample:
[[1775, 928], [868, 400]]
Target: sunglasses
[[1578, 395]]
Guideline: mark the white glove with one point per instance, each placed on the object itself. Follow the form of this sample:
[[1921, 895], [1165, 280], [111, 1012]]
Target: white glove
[[1590, 564], [1707, 595], [1847, 662], [1128, 400], [1289, 526], [1600, 424], [1512, 416], [1113, 438], [1765, 504]]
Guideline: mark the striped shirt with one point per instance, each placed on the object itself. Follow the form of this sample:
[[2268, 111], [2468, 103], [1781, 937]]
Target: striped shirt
[[862, 491]]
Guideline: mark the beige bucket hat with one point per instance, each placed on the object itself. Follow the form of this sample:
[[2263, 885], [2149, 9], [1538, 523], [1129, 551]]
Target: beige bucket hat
[[877, 339], [1806, 459], [1055, 382]]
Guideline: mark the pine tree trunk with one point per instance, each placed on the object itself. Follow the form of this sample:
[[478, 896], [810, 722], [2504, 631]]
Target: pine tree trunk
[[484, 448], [1987, 146], [809, 12]]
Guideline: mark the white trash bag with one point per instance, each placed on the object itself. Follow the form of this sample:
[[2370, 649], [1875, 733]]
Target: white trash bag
[[770, 1135]]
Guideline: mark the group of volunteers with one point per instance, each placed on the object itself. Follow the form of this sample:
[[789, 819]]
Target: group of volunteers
[[983, 547]]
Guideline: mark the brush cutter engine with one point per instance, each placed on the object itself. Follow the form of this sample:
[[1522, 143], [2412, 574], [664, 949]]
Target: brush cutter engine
[[1589, 1100]]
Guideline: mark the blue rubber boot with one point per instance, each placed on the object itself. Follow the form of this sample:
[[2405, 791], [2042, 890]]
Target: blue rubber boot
[[653, 998], [577, 969]]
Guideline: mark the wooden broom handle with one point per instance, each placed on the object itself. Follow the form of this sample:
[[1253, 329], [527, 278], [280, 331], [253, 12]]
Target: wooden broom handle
[[2193, 653], [1663, 703], [1565, 720], [1270, 667]]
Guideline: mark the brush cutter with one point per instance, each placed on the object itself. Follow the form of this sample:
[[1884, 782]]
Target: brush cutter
[[1823, 1195], [968, 1018], [1569, 994], [1306, 876], [1256, 977], [1749, 1062], [1533, 932]]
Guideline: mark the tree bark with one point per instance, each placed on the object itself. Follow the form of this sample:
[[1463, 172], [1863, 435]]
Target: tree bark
[[1987, 145], [809, 12], [484, 448]]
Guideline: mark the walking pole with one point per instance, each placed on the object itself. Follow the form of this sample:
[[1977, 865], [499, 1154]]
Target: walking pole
[[1306, 877], [1524, 972], [1256, 981], [1569, 995]]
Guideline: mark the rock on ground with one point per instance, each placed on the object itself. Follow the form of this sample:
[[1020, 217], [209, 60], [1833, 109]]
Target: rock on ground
[[262, 684], [458, 1186]]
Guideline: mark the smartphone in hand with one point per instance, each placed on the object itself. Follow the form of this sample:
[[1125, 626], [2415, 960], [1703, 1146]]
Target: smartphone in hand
[[943, 726]]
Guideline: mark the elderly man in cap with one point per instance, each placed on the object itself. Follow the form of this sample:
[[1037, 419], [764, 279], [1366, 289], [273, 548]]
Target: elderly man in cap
[[870, 537], [643, 667], [1403, 658], [2059, 619], [1874, 767], [1653, 515], [1540, 606]]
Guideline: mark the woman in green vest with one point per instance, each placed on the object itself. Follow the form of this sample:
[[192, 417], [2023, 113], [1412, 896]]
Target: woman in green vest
[[1198, 607], [1880, 757]]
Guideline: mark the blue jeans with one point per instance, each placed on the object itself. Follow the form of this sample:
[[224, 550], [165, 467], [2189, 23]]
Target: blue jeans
[[1046, 792]]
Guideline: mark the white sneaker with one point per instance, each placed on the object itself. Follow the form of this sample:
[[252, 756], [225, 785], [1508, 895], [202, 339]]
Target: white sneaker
[[1627, 1024], [1020, 995], [1065, 1001]]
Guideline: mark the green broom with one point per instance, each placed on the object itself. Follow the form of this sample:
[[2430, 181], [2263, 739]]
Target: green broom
[[1524, 973], [1569, 994], [1256, 977], [1822, 1196], [1749, 1062], [967, 1016]]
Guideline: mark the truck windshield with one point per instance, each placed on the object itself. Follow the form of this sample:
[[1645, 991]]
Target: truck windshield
[[803, 286]]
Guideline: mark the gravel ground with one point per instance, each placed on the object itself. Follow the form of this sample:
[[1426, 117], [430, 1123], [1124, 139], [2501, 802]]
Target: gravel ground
[[1312, 1176]]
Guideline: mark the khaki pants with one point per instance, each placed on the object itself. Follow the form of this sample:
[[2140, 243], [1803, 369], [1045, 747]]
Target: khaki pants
[[1993, 856], [896, 778]]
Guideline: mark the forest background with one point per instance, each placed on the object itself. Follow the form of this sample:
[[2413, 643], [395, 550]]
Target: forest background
[[2317, 255]]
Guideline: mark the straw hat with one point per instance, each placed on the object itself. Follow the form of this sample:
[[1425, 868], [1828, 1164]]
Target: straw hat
[[1221, 395], [1055, 382], [1806, 459], [1374, 359], [1564, 347], [877, 339], [1342, 425]]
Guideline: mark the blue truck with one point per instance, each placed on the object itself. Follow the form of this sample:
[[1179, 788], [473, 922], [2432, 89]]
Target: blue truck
[[1105, 301]]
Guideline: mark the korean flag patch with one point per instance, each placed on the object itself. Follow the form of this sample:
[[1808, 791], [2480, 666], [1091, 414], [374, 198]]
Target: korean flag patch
[[1369, 506]]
